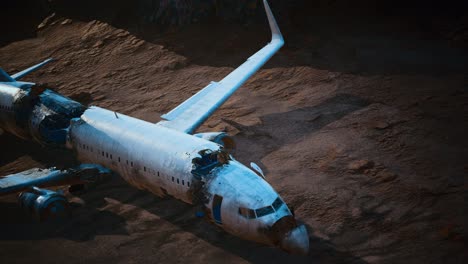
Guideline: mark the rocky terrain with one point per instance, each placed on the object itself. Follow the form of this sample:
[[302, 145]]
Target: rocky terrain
[[359, 124]]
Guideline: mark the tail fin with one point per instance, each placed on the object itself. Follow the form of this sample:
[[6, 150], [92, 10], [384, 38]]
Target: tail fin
[[4, 77], [22, 73]]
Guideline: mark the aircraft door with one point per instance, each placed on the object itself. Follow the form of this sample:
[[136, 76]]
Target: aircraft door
[[217, 201]]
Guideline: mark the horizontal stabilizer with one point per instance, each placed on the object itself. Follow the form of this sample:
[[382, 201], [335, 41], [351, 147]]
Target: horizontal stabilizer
[[22, 73]]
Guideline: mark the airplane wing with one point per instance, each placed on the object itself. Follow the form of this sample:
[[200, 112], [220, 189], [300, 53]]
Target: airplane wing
[[21, 181], [22, 73], [189, 115]]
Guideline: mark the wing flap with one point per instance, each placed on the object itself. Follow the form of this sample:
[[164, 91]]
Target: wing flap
[[189, 115]]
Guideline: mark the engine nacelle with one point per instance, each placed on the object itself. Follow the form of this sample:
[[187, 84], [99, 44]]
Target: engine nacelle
[[220, 138], [44, 204]]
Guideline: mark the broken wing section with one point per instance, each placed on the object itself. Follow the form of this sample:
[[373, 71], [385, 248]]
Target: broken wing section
[[189, 115], [83, 174]]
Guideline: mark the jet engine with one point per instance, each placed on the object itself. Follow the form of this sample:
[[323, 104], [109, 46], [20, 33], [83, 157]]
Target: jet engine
[[44, 204], [220, 138]]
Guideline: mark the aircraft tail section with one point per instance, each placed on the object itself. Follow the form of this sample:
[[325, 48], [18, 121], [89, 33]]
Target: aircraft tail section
[[4, 77]]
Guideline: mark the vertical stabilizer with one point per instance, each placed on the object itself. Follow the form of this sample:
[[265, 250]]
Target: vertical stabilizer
[[4, 77]]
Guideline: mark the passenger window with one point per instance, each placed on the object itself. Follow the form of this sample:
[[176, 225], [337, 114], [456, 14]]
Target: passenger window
[[110, 156], [177, 181], [173, 179], [144, 168], [183, 183], [103, 153], [158, 173], [131, 163], [107, 155], [119, 159], [188, 184]]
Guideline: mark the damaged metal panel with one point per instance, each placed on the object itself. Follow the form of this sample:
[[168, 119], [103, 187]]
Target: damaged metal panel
[[85, 173], [37, 113], [51, 117]]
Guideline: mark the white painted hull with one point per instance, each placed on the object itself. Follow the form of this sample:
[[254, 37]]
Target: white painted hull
[[146, 155]]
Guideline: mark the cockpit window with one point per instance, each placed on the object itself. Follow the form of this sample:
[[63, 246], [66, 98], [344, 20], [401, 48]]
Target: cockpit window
[[264, 211], [251, 214], [277, 203], [247, 213]]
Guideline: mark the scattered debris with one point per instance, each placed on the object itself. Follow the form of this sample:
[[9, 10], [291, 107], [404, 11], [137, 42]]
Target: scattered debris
[[46, 21], [66, 22]]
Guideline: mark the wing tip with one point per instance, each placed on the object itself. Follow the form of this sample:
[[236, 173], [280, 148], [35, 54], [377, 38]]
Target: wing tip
[[275, 30]]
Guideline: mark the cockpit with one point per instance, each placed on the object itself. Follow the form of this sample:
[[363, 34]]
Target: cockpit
[[252, 214]]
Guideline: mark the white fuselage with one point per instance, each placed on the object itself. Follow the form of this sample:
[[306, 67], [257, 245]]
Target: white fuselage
[[160, 160], [146, 155]]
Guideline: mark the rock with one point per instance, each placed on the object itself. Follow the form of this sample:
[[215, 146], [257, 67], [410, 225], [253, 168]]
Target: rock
[[98, 44], [387, 176], [46, 21], [66, 22], [359, 166], [67, 63], [356, 212], [381, 125]]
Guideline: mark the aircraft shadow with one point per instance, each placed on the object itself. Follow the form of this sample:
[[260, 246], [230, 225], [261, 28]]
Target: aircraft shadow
[[88, 222], [183, 216], [258, 140], [13, 148], [85, 223], [322, 39]]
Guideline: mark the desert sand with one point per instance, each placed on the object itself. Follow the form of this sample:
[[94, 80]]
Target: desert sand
[[363, 132]]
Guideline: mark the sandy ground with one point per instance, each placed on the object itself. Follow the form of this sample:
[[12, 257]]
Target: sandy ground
[[362, 132]]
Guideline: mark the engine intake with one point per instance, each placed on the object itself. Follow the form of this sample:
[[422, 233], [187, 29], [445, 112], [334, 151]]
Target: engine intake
[[220, 138], [44, 204]]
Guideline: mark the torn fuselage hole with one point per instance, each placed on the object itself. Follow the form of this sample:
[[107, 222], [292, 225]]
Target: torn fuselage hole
[[209, 160]]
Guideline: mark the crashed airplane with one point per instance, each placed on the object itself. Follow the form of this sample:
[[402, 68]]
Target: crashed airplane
[[165, 158]]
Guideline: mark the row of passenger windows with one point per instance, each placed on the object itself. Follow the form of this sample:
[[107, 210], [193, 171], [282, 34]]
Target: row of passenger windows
[[250, 213], [4, 107], [109, 156]]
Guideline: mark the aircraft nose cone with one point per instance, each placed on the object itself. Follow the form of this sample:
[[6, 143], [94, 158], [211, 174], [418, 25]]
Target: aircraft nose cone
[[296, 241]]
